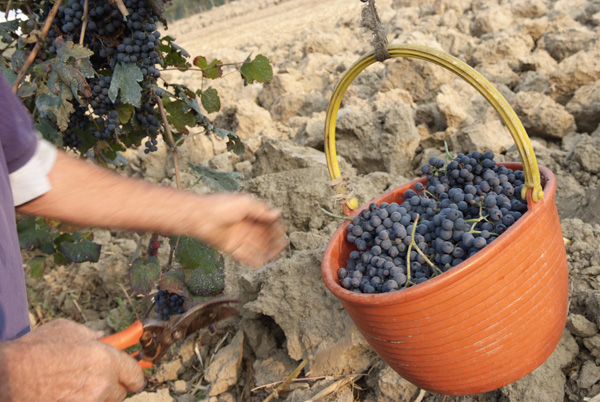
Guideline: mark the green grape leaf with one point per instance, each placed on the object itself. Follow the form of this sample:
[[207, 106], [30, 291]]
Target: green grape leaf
[[87, 69], [179, 115], [114, 158], [49, 131], [60, 259], [216, 180], [210, 100], [17, 60], [173, 281], [212, 70], [57, 106], [36, 266], [190, 98], [201, 283], [125, 112], [9, 74], [234, 142], [193, 254], [26, 90], [173, 54], [35, 234], [124, 81], [74, 79], [80, 249], [8, 29], [258, 69], [143, 275], [67, 50]]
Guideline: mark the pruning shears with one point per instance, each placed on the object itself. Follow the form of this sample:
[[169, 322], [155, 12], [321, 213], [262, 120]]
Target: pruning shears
[[156, 336]]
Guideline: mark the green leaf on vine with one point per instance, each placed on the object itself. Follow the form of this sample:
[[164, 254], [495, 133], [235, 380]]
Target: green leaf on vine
[[49, 131], [9, 74], [8, 29], [80, 249], [173, 54], [173, 281], [179, 115], [212, 70], [210, 100], [216, 180], [202, 283], [259, 70], [74, 79], [57, 106], [124, 81], [60, 259], [143, 275], [234, 142], [87, 69], [35, 233], [36, 266], [125, 112], [26, 90], [190, 99], [67, 50], [17, 60], [193, 254]]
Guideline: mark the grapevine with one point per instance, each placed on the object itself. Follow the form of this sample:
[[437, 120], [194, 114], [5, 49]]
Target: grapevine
[[90, 74]]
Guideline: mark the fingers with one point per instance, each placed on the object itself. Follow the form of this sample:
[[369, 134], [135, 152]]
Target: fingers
[[131, 376], [117, 394], [256, 244]]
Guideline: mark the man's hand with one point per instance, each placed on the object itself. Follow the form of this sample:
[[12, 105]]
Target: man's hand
[[64, 361], [242, 226]]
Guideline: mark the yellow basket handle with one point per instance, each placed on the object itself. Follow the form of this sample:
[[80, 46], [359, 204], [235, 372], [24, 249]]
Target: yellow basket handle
[[506, 112]]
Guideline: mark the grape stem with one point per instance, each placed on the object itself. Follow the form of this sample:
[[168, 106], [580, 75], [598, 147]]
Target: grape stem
[[345, 218], [418, 250]]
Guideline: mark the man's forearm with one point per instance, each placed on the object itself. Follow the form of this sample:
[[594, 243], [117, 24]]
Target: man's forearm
[[88, 195]]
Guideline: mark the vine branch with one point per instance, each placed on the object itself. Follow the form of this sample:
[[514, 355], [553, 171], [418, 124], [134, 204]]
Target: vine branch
[[171, 142], [86, 6], [8, 7], [38, 46]]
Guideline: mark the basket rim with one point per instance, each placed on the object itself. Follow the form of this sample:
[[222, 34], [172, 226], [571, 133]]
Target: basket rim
[[447, 278]]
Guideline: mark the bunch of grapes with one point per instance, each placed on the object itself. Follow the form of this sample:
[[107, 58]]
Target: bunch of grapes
[[464, 206], [114, 40], [168, 304]]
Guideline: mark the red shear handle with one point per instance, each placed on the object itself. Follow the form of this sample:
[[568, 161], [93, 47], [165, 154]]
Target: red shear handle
[[127, 338]]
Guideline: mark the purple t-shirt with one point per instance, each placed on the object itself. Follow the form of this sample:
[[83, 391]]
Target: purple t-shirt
[[17, 145]]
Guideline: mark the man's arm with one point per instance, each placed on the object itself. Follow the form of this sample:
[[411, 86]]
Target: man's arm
[[87, 195]]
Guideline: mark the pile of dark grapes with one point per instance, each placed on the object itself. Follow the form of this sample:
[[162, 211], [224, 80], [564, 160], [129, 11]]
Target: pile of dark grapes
[[168, 304], [114, 40], [466, 203]]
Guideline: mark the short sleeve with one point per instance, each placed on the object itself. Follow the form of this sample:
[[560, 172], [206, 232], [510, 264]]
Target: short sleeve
[[31, 180], [17, 134]]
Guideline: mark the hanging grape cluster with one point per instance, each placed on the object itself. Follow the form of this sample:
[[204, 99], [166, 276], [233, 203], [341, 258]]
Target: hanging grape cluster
[[113, 39]]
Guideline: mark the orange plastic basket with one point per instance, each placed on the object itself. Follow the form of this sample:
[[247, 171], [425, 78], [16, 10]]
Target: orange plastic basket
[[488, 321]]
